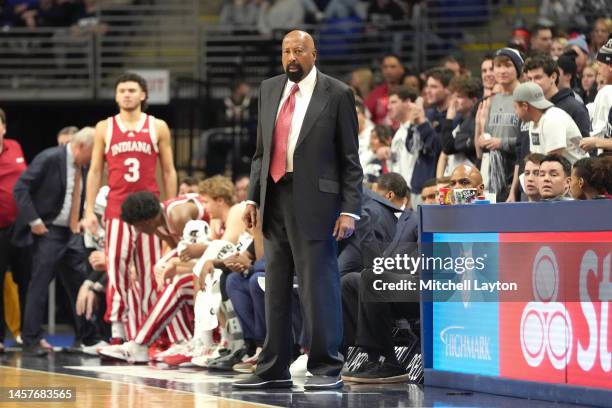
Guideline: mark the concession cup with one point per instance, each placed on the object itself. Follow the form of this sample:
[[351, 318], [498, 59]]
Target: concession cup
[[465, 195]]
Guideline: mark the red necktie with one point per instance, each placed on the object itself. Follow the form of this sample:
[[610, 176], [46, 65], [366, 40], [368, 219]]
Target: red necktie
[[278, 166]]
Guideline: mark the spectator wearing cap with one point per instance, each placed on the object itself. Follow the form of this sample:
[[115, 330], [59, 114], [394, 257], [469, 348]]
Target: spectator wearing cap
[[521, 38], [498, 127], [591, 178], [554, 177], [580, 46], [530, 176], [601, 135], [552, 130], [541, 39], [542, 70], [568, 70]]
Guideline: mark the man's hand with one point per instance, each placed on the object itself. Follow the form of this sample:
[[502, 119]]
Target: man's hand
[[588, 143], [417, 114], [344, 228], [451, 113], [81, 301], [192, 251], [97, 260], [383, 153], [170, 270], [207, 268], [90, 222], [92, 302], [39, 229], [238, 263], [493, 143], [249, 217]]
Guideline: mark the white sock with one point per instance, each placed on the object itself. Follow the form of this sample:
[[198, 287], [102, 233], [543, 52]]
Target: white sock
[[117, 330]]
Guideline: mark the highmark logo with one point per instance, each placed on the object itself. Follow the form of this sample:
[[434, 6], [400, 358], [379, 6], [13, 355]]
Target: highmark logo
[[458, 344]]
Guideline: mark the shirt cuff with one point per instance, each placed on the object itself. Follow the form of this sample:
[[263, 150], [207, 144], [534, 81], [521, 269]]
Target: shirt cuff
[[356, 217], [252, 202], [36, 222]]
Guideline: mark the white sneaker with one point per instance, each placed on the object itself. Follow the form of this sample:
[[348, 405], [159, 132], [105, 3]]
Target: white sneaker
[[173, 349], [93, 349], [209, 354], [131, 352], [299, 367], [193, 348]]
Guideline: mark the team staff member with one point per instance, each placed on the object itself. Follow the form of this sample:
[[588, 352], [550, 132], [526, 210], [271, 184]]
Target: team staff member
[[12, 164], [306, 180]]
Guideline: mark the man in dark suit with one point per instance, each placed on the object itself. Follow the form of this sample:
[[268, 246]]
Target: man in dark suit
[[306, 180], [50, 196], [370, 323], [373, 231]]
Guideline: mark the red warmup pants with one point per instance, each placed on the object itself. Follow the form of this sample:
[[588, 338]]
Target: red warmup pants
[[129, 299]]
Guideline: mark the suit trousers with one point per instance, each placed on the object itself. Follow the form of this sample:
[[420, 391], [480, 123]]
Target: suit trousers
[[58, 253], [289, 252], [18, 261], [370, 324]]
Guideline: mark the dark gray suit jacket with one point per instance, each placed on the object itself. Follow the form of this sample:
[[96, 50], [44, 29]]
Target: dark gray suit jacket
[[40, 192], [327, 175]]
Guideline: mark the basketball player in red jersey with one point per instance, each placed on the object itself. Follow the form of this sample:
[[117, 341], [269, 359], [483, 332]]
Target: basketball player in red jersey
[[173, 309], [131, 143]]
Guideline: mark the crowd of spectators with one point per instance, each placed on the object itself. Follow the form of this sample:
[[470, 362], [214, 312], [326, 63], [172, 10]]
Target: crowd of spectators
[[47, 13]]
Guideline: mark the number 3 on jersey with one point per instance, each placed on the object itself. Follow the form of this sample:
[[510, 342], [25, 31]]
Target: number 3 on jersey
[[133, 167]]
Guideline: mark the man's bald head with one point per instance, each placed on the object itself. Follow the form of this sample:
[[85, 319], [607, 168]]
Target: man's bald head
[[298, 54], [467, 176]]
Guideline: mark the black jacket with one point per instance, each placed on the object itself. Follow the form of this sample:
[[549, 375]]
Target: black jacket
[[564, 99], [40, 192], [373, 232], [463, 142], [327, 175]]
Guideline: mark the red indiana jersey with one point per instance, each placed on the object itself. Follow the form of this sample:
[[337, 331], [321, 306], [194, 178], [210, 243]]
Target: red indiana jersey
[[171, 203], [131, 157]]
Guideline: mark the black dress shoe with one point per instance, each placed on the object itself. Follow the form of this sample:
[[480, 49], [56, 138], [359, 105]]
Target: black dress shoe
[[255, 382], [34, 350], [378, 373], [323, 382]]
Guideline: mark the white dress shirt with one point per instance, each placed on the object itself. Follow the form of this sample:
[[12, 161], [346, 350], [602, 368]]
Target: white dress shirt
[[63, 218], [302, 99], [403, 160]]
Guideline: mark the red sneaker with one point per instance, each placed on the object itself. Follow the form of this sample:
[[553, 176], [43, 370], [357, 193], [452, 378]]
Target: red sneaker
[[157, 347]]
